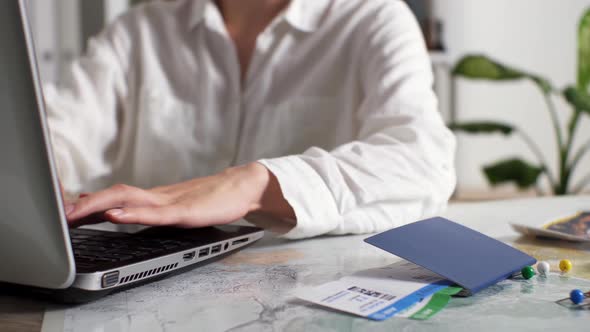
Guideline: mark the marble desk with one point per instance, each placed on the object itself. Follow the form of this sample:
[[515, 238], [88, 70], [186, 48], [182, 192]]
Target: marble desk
[[252, 290]]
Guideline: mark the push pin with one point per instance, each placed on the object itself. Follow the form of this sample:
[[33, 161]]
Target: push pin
[[543, 268], [577, 296], [565, 265], [527, 272]]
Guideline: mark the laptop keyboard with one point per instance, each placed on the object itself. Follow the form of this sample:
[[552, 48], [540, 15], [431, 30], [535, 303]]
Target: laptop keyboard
[[93, 249]]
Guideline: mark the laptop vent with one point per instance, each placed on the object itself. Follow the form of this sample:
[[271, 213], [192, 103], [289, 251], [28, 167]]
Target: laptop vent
[[149, 273]]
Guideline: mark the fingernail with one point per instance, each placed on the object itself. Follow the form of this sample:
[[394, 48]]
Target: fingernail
[[116, 212], [69, 207]]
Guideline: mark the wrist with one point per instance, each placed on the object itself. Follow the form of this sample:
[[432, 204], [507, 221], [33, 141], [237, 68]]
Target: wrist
[[254, 178], [269, 199]]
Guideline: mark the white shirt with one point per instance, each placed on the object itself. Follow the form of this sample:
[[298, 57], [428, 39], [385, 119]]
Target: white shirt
[[337, 104]]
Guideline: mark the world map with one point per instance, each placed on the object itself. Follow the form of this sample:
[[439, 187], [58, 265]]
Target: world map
[[253, 291]]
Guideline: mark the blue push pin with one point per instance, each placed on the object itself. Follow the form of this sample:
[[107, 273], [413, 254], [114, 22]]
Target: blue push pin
[[577, 296]]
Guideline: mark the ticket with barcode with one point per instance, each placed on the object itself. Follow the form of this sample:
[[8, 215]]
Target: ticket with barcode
[[377, 293]]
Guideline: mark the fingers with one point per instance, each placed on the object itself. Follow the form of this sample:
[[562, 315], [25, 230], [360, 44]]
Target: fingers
[[94, 218], [70, 205], [149, 216], [113, 197], [66, 196]]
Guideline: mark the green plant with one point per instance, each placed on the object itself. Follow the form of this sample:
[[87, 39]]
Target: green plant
[[515, 170]]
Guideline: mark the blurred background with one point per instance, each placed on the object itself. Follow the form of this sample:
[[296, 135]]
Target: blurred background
[[539, 37]]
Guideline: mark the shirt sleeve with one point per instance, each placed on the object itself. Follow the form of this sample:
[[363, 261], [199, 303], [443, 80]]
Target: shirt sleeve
[[82, 112], [400, 169]]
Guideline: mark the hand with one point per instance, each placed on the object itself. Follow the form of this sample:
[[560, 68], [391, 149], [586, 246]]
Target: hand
[[214, 200], [67, 199]]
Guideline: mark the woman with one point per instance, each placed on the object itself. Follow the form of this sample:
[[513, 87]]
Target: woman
[[315, 117]]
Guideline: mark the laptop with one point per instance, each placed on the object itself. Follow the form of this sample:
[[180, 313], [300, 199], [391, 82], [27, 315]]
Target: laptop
[[37, 248]]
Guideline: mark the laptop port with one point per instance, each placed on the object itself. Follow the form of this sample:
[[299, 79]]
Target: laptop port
[[216, 249], [239, 241], [203, 252], [110, 279], [188, 256]]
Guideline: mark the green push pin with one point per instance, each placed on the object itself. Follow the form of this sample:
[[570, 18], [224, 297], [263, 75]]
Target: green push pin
[[527, 272]]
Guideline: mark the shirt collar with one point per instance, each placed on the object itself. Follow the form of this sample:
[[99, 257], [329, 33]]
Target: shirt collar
[[304, 15]]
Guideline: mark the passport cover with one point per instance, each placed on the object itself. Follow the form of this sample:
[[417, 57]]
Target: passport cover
[[466, 257]]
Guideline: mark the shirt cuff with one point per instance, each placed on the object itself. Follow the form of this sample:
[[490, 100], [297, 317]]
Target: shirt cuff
[[308, 195]]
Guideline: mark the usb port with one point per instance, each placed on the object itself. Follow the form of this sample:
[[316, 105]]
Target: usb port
[[216, 249], [203, 252], [188, 256], [239, 241]]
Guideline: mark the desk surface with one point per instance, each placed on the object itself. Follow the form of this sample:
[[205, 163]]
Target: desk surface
[[252, 290]]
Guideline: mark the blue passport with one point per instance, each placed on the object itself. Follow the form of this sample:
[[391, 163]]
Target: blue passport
[[465, 257]]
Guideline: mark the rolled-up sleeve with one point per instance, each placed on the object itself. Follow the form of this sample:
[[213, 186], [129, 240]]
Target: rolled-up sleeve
[[400, 168], [82, 113]]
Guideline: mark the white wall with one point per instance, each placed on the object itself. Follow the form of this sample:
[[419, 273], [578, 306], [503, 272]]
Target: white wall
[[57, 28], [69, 38], [536, 35], [43, 19]]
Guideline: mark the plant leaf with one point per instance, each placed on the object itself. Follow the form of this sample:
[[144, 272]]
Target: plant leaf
[[543, 84], [579, 99], [483, 127], [484, 68], [584, 52], [515, 170]]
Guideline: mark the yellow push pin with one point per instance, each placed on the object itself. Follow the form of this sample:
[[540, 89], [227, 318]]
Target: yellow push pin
[[565, 265]]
